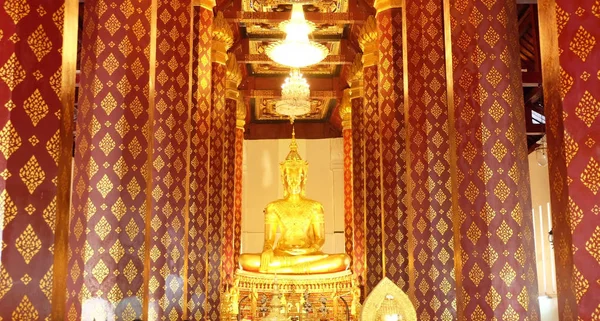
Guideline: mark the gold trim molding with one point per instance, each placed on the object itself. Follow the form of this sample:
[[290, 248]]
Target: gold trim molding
[[383, 5], [346, 109], [206, 4]]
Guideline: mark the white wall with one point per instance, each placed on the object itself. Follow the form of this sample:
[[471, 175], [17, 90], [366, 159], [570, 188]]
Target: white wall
[[262, 184], [542, 223]]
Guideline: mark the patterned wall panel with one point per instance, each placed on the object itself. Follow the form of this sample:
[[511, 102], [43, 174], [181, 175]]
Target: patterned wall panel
[[497, 255], [239, 171], [199, 153], [570, 53], [393, 147], [373, 208], [215, 191], [32, 125], [228, 190], [429, 149], [358, 190], [348, 215], [169, 188], [111, 166]]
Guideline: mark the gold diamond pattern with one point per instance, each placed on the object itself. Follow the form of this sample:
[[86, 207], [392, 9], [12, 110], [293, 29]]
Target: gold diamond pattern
[[582, 44], [590, 177], [32, 174], [16, 9], [588, 109], [35, 107], [100, 271], [592, 245], [10, 141], [25, 310], [6, 282], [28, 244], [12, 73], [39, 43]]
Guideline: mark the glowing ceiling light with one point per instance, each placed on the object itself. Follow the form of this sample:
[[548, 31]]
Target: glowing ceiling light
[[296, 50], [295, 96]]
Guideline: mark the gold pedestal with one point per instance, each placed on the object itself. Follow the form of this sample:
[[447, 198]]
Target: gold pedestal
[[329, 295]]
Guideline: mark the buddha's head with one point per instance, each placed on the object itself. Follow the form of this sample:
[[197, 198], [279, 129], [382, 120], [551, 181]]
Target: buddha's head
[[293, 171]]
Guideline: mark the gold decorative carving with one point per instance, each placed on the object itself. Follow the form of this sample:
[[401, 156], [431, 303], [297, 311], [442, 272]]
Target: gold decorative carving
[[355, 78], [382, 5], [207, 4], [241, 112], [265, 109], [222, 39], [234, 77], [346, 109], [368, 41], [385, 290]]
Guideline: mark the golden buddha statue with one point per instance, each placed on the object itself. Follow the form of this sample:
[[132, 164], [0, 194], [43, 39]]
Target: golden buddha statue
[[301, 224]]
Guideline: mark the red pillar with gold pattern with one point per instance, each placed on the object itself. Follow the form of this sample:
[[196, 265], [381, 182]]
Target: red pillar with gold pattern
[[393, 154], [346, 116], [428, 148], [240, 122], [355, 80], [570, 54], [222, 39], [168, 188], [234, 78], [495, 269], [372, 156], [199, 159], [37, 83], [112, 164]]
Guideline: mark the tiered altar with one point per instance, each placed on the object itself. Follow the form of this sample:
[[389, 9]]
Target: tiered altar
[[332, 296]]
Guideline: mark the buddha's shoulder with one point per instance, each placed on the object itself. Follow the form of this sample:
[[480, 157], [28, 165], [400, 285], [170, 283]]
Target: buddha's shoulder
[[312, 204]]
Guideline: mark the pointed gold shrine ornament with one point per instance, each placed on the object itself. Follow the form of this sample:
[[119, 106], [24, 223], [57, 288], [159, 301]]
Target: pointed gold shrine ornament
[[387, 302]]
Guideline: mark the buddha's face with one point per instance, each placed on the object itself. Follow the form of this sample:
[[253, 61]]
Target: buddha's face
[[293, 180]]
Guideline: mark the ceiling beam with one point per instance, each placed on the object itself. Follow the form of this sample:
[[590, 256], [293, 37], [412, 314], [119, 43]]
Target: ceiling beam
[[335, 84], [283, 129], [276, 17], [277, 93], [264, 59]]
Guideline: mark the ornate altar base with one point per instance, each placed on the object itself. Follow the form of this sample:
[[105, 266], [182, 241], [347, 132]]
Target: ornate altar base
[[303, 297]]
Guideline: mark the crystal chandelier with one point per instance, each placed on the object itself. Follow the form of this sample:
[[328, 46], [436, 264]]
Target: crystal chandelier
[[295, 96], [296, 50]]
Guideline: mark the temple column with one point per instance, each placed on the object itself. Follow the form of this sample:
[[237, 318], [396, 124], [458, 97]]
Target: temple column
[[168, 190], [240, 122], [222, 39], [112, 164], [495, 267], [570, 53], [392, 133], [37, 83], [234, 78], [355, 79], [346, 116], [199, 159], [373, 189], [428, 146]]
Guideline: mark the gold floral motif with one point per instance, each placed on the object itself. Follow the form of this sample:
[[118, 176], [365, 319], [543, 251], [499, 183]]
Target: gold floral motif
[[35, 107], [49, 214], [507, 274], [6, 281], [32, 174], [46, 284], [132, 229], [504, 232], [130, 271], [117, 251], [593, 244], [28, 244], [100, 271], [102, 228], [104, 186], [39, 43], [10, 140], [25, 310], [8, 210], [582, 43], [16, 9], [590, 177], [112, 25], [12, 73], [588, 109]]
